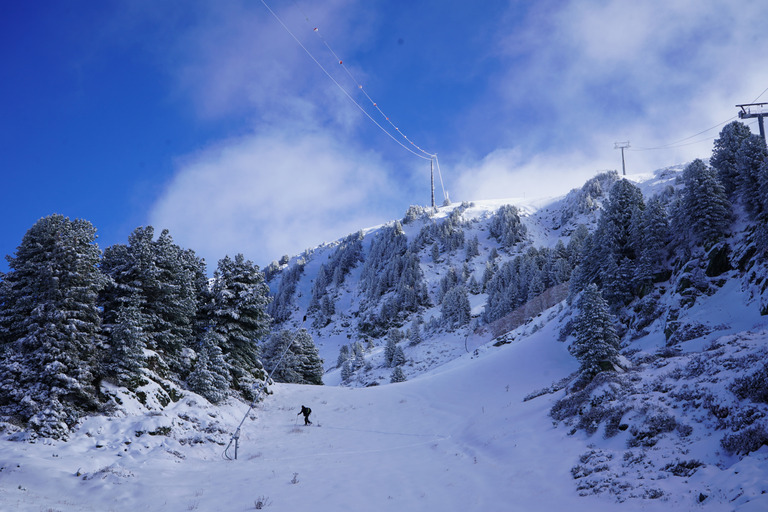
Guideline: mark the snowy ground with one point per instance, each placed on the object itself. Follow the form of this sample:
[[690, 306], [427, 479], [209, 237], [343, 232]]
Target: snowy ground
[[458, 438]]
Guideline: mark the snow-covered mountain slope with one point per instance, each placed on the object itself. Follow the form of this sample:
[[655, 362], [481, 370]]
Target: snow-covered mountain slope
[[461, 437], [482, 423], [433, 237]]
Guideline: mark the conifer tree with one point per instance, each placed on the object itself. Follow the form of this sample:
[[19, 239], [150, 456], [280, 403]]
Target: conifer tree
[[655, 236], [238, 314], [389, 350], [163, 282], [398, 357], [751, 156], [597, 344], [127, 341], [456, 309], [703, 211], [343, 355], [397, 375], [210, 377], [347, 371], [506, 226], [300, 361], [723, 158], [52, 327]]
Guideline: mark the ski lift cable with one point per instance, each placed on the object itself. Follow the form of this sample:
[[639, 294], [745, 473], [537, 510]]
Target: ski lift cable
[[758, 96], [306, 50], [706, 139], [677, 143], [359, 85]]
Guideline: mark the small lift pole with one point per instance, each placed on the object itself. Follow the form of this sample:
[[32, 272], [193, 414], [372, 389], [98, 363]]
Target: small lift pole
[[622, 146], [752, 110]]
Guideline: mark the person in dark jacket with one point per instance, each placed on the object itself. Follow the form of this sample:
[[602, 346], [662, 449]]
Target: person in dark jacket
[[306, 411]]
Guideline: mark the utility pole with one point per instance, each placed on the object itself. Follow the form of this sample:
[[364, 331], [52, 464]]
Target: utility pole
[[760, 110], [622, 146], [432, 179]]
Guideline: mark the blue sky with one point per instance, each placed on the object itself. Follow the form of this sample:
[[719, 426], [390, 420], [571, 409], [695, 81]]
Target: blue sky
[[209, 119]]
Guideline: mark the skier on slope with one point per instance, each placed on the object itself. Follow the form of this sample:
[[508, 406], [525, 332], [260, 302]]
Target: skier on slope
[[306, 411]]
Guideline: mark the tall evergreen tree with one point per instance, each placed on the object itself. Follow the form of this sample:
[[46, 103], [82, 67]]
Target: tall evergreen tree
[[597, 344], [209, 376], [163, 282], [506, 226], [703, 211], [238, 313], [300, 363], [752, 155], [456, 309], [127, 340], [617, 223], [52, 326], [723, 158]]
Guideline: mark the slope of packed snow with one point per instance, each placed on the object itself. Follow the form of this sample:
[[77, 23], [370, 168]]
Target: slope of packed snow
[[458, 438]]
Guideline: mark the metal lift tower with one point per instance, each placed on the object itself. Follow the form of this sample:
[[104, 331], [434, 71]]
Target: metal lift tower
[[752, 110], [622, 146]]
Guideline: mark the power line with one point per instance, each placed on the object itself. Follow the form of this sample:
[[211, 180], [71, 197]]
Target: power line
[[417, 150], [274, 14]]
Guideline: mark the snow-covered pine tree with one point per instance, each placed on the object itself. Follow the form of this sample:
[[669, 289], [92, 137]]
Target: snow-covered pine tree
[[52, 326], [597, 344], [456, 309], [609, 254], [447, 282], [127, 341], [389, 350], [723, 158], [310, 366], [617, 223], [506, 226], [435, 253], [161, 280], [398, 357], [472, 249], [343, 355], [751, 156], [238, 313], [347, 371], [473, 285], [397, 375], [703, 211], [656, 236], [300, 362], [210, 377], [414, 334], [173, 300]]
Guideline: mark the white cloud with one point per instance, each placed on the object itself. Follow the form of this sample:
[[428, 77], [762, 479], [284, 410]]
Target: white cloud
[[572, 79], [584, 74], [272, 193]]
